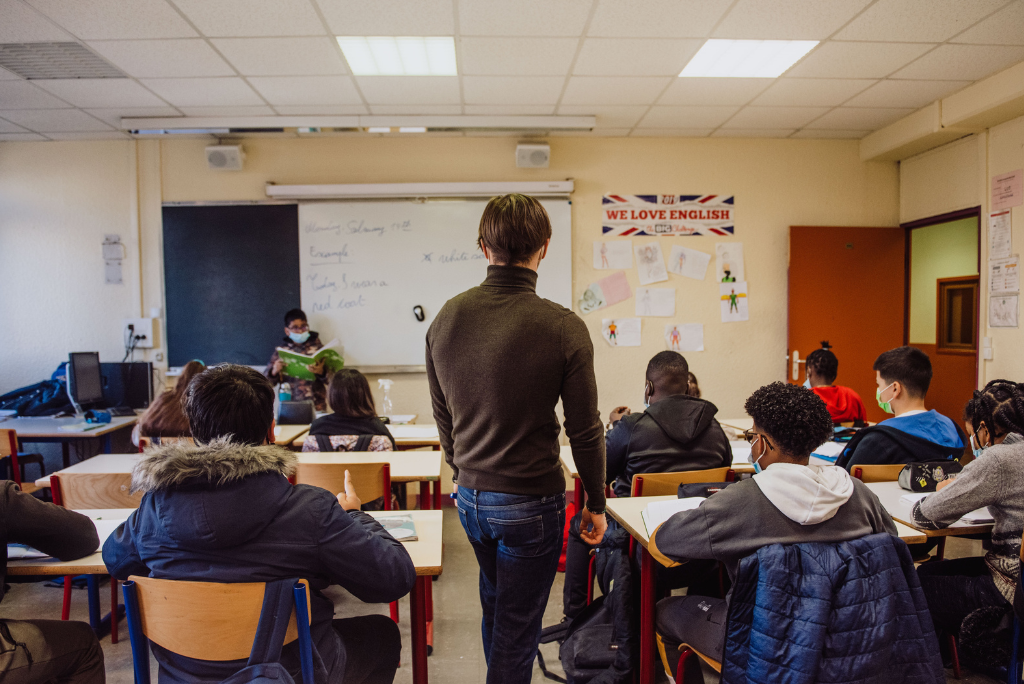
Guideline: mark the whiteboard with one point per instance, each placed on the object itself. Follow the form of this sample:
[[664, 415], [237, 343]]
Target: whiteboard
[[365, 265]]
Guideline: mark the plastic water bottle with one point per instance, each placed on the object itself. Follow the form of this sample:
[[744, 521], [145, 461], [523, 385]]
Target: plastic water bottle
[[385, 385], [284, 393]]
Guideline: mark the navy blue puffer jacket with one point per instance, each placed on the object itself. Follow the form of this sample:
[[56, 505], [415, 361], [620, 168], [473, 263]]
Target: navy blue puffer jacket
[[850, 612]]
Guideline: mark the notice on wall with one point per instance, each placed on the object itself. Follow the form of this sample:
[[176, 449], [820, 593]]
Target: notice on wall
[[734, 302], [1002, 311], [682, 337], [605, 292], [667, 215], [689, 263], [1008, 190], [1004, 275], [729, 262], [656, 301], [650, 263], [1000, 241], [615, 255], [621, 332]]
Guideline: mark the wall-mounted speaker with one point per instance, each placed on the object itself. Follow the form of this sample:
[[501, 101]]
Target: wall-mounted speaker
[[533, 156], [225, 157]]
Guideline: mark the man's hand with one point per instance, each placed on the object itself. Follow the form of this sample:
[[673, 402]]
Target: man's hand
[[317, 368], [348, 499], [592, 527], [278, 367], [617, 413]]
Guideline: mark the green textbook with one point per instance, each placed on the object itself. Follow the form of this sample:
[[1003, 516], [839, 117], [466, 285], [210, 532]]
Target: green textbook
[[297, 365]]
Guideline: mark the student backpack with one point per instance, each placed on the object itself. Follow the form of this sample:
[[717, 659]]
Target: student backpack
[[323, 442], [264, 665]]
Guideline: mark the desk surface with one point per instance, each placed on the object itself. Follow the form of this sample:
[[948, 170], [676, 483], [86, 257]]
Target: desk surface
[[406, 466], [286, 434], [426, 553], [405, 435], [100, 464], [889, 494], [49, 428]]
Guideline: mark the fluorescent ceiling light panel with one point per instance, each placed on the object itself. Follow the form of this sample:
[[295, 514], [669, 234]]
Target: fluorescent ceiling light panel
[[746, 58], [400, 56], [378, 129], [412, 129]]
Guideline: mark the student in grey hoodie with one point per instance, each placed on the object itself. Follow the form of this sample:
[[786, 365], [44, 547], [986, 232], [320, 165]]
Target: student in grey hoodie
[[786, 502], [994, 418]]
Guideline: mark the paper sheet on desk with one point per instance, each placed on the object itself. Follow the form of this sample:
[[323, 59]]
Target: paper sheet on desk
[[829, 451], [658, 512], [982, 516], [104, 528]]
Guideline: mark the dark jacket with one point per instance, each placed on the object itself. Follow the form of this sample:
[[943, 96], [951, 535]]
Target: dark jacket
[[850, 612], [302, 390], [56, 531], [225, 512], [674, 434], [923, 437], [498, 359], [333, 425]]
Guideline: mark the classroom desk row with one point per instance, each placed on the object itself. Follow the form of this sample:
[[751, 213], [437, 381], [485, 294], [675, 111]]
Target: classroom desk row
[[48, 430], [426, 554]]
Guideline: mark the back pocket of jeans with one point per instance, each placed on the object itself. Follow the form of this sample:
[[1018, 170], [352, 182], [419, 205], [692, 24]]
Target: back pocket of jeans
[[523, 538]]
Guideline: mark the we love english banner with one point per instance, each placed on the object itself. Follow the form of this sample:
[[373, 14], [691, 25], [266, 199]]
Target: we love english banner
[[628, 215]]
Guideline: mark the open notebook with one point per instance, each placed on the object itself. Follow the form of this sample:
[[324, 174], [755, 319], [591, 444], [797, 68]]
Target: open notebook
[[658, 512], [978, 517]]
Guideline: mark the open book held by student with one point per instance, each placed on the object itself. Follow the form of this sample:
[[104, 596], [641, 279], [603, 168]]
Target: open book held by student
[[297, 365]]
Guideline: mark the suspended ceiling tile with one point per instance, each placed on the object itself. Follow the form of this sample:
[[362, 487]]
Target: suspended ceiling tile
[[686, 117], [182, 58], [19, 23], [608, 116], [89, 135], [8, 127], [321, 110], [257, 110], [24, 95], [54, 120], [516, 56], [634, 56], [671, 132], [416, 110], [316, 56], [656, 18], [253, 17], [101, 92], [203, 92], [905, 93], [752, 133], [409, 90], [523, 17], [811, 92], [834, 59], [774, 117], [855, 118], [824, 134], [614, 90], [917, 21], [510, 110], [306, 90], [22, 137], [714, 91], [962, 62], [114, 115], [787, 19], [390, 17], [1005, 27], [6, 75], [116, 19], [512, 90]]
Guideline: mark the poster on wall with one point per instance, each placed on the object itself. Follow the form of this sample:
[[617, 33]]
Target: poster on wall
[[1000, 241], [1008, 190], [650, 263], [613, 255], [682, 337], [1002, 311], [734, 302], [667, 215], [1004, 274], [605, 292], [621, 332], [687, 262], [729, 262], [656, 301]]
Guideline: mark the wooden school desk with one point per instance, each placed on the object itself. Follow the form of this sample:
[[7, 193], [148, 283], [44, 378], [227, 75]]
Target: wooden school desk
[[103, 464], [48, 430], [627, 513], [284, 435], [415, 466]]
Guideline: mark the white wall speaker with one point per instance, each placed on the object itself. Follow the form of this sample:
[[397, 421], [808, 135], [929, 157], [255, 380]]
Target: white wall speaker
[[225, 157], [533, 156]]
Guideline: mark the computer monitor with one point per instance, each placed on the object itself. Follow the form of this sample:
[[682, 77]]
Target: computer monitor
[[85, 384], [127, 384]]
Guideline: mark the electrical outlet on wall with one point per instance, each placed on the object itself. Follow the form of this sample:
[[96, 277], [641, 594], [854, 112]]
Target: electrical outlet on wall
[[140, 330]]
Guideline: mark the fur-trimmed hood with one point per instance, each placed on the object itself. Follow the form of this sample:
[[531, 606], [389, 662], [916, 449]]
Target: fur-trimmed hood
[[218, 462]]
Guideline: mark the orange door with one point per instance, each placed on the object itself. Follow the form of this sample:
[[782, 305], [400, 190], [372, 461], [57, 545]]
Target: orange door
[[846, 285]]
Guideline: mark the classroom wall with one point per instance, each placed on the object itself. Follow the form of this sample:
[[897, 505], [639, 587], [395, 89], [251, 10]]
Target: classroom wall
[[942, 180], [946, 250]]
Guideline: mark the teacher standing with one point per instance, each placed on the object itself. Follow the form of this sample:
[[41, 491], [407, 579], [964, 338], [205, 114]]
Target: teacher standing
[[301, 340], [498, 359]]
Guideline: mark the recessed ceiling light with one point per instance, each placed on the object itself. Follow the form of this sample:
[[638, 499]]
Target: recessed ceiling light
[[746, 58], [412, 129], [400, 55], [378, 129]]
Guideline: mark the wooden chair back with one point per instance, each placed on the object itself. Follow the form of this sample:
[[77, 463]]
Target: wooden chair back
[[9, 448], [371, 480], [878, 473], [93, 490], [204, 620], [664, 484]]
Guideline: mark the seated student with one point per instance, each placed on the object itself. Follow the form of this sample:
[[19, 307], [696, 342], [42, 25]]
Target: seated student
[[300, 339], [46, 650], [994, 418], [915, 434], [843, 404], [693, 388], [165, 417], [354, 416], [786, 502], [675, 432], [224, 511]]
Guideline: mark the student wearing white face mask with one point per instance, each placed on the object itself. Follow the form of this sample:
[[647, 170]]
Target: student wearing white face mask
[[299, 338], [914, 434]]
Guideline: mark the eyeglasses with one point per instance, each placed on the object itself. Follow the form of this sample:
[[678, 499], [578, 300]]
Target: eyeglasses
[[750, 436], [299, 329]]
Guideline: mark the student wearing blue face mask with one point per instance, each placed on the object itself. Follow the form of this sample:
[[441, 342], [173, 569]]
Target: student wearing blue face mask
[[915, 434], [299, 338]]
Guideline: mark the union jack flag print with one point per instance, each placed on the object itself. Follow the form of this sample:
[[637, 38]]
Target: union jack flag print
[[628, 215]]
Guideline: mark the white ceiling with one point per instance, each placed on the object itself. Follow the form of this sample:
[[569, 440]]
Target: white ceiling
[[615, 59]]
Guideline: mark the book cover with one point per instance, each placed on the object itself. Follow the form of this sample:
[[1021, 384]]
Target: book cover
[[401, 527], [297, 365]]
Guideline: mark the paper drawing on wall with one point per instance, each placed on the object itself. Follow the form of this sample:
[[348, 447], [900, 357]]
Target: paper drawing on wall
[[605, 292], [650, 263], [656, 301], [729, 262], [621, 332], [613, 255], [733, 301], [687, 262], [1002, 311], [682, 337]]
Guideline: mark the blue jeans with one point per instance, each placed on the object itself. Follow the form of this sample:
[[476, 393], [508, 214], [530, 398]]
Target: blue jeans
[[517, 540]]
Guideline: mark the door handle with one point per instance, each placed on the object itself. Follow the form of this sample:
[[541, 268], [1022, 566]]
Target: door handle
[[796, 364]]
